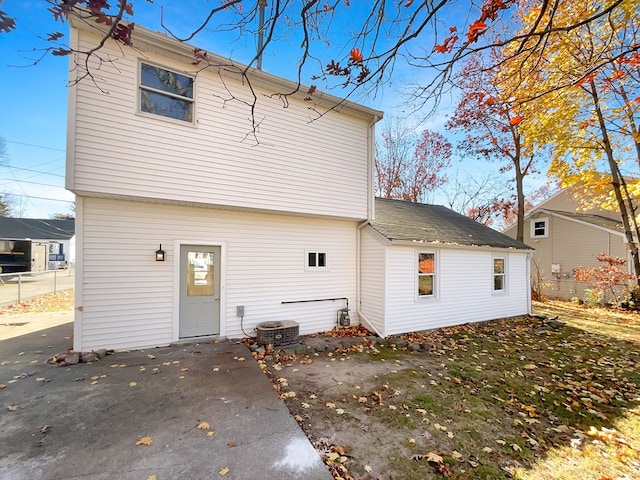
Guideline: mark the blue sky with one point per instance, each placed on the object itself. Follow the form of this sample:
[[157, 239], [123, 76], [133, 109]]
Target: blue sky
[[33, 99]]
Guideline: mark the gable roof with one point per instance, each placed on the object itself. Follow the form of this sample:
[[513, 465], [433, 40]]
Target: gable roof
[[45, 229], [418, 222], [592, 219]]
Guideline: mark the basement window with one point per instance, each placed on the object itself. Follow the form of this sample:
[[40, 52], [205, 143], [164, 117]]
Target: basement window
[[166, 93], [316, 260]]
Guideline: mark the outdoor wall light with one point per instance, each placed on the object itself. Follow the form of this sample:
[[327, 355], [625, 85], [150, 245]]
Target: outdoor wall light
[[160, 254]]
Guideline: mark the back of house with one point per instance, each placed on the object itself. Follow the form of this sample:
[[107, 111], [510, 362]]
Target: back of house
[[206, 205]]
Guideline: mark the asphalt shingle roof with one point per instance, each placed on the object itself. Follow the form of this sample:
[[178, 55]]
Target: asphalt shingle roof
[[596, 220], [45, 229], [418, 222]]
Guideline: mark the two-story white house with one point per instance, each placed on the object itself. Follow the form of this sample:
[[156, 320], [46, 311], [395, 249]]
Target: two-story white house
[[189, 227]]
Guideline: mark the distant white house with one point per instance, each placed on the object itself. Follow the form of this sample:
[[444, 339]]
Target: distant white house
[[283, 229]]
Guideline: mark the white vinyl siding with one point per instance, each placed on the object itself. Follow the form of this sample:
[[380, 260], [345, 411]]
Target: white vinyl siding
[[465, 290], [292, 164], [127, 298], [372, 279]]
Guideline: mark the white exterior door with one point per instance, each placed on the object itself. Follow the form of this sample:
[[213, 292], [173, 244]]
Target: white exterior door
[[199, 291]]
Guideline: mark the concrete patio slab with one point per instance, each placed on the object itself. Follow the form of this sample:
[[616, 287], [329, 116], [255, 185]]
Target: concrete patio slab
[[84, 421]]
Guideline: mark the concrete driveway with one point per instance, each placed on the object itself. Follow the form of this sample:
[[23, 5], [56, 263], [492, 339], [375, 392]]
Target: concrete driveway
[[197, 411]]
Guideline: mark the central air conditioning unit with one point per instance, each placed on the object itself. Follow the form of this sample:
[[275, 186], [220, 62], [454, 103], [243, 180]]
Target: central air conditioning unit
[[278, 333]]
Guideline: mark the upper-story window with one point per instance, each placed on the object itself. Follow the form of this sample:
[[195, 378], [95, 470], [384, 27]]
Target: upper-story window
[[166, 93], [539, 227]]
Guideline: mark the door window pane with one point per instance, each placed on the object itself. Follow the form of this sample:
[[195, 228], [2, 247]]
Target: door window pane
[[200, 276]]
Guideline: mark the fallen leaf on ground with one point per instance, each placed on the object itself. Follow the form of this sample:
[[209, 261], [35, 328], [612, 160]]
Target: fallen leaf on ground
[[145, 441], [12, 408], [133, 384], [434, 457], [224, 471], [203, 426]]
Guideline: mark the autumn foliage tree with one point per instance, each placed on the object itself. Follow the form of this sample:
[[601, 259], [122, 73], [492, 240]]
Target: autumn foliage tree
[[610, 277], [491, 123], [383, 35], [582, 93], [409, 166]]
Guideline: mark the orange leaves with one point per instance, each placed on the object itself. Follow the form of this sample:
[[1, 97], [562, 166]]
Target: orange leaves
[[517, 120], [355, 56], [476, 29], [448, 43]]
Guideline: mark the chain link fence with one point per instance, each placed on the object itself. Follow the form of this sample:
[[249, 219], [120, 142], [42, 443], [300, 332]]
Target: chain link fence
[[18, 287]]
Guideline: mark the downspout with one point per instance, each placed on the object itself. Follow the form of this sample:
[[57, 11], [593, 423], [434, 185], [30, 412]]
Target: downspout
[[371, 215], [361, 315], [529, 306]]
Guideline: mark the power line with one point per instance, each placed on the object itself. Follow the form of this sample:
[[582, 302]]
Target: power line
[[39, 183], [36, 146], [36, 171], [40, 198]]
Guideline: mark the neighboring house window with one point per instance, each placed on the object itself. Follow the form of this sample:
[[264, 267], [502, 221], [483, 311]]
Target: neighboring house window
[[499, 275], [316, 260], [426, 274], [539, 227], [166, 93]]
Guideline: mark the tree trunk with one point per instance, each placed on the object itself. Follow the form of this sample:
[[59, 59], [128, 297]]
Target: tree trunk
[[615, 181]]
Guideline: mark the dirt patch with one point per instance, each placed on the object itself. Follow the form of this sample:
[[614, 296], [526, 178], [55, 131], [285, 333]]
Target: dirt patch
[[491, 402]]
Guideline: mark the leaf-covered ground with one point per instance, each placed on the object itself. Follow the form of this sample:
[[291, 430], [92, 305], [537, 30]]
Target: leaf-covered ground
[[52, 302], [516, 398]]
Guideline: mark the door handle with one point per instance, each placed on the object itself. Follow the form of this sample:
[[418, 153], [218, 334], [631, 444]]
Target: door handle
[[217, 299]]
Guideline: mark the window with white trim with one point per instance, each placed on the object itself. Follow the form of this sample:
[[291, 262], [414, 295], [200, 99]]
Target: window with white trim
[[499, 274], [539, 227], [166, 93], [426, 274], [316, 260]]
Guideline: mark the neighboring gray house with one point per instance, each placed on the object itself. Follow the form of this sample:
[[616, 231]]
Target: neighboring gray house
[[57, 235], [566, 237], [426, 266]]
